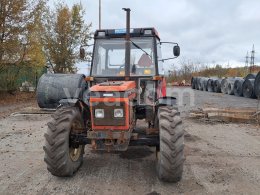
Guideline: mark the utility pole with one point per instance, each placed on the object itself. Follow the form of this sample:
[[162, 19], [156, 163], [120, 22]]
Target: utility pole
[[247, 58], [246, 63], [99, 14], [252, 62]]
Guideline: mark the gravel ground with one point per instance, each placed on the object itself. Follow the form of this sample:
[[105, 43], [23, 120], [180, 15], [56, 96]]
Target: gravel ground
[[221, 158], [6, 110], [189, 99]]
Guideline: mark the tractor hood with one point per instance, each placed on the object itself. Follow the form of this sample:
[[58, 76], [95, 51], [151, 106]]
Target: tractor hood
[[113, 86]]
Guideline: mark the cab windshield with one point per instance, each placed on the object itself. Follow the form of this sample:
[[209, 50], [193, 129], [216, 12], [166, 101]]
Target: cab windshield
[[109, 57]]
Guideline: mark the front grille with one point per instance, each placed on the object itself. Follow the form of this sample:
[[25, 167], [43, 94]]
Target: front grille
[[109, 119]]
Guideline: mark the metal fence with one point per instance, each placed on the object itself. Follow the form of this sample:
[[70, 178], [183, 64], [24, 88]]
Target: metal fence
[[12, 77]]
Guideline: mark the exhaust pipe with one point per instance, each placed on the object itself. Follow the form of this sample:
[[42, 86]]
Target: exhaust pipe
[[127, 45]]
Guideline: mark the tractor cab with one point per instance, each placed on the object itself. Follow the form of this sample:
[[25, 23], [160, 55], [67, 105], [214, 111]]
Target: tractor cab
[[109, 59], [137, 58]]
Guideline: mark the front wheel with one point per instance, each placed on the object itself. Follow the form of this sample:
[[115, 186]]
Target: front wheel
[[170, 155], [61, 156]]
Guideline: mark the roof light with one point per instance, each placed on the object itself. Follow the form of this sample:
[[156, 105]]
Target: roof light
[[120, 31], [123, 31], [148, 32], [102, 34]]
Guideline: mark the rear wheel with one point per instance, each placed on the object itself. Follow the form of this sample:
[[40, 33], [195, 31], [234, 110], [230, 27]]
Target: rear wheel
[[61, 156], [170, 154]]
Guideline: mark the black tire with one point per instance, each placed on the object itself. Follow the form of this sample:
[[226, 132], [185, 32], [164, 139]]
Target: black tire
[[52, 88], [58, 152], [193, 80], [170, 157], [238, 87], [257, 85], [248, 88]]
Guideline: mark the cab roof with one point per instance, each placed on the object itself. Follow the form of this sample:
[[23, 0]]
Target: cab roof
[[120, 33]]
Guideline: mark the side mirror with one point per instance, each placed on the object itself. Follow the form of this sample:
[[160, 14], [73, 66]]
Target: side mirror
[[82, 53], [176, 50]]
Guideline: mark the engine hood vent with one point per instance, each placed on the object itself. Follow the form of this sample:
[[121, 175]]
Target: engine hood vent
[[111, 86]]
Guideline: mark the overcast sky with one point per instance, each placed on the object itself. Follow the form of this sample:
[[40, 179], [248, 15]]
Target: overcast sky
[[209, 31]]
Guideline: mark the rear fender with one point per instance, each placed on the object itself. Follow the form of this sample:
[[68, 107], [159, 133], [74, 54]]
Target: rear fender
[[166, 101], [69, 102], [84, 108]]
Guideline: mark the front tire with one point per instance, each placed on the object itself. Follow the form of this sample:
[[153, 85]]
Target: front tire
[[61, 157], [170, 156]]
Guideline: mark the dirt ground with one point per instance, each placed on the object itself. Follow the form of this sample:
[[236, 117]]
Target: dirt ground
[[10, 103], [221, 158]]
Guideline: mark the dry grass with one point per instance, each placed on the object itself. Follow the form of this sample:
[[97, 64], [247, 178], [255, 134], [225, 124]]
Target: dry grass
[[17, 97]]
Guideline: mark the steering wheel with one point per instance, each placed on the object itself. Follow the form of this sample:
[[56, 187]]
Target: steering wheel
[[133, 69]]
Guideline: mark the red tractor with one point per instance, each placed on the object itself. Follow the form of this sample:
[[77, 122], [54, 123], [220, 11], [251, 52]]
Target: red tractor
[[126, 84]]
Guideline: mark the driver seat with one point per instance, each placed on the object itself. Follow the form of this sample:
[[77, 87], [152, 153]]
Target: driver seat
[[145, 61]]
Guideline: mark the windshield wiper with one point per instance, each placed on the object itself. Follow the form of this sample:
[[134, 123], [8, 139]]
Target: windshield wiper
[[138, 47]]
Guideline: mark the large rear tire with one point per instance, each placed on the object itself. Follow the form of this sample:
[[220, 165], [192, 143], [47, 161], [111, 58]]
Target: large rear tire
[[61, 157], [170, 156]]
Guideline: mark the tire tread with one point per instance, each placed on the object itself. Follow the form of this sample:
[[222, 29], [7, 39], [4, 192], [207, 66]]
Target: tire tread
[[171, 158]]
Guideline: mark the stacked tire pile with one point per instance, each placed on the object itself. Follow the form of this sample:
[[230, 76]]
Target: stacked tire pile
[[248, 87]]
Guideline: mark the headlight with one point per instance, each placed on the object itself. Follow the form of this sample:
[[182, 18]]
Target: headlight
[[118, 113], [99, 113]]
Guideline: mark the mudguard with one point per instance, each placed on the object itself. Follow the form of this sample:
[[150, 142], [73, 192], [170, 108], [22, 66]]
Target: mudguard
[[68, 102], [166, 101]]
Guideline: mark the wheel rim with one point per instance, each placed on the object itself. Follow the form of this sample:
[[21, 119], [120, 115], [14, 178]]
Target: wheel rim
[[75, 153], [157, 155]]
